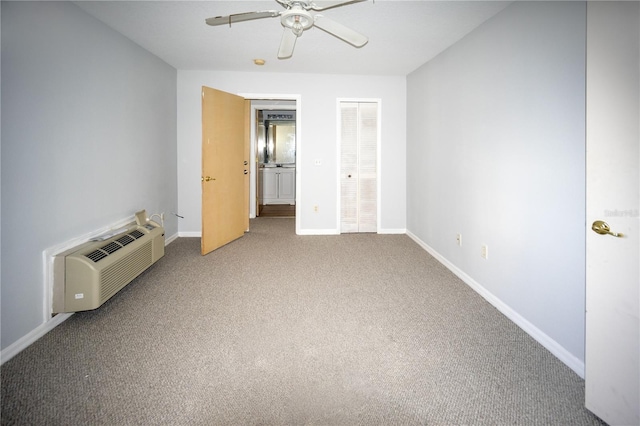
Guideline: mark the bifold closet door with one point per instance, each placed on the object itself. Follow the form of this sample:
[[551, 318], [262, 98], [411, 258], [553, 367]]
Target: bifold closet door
[[358, 166]]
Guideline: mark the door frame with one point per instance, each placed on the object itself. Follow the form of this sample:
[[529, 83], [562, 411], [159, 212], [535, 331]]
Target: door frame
[[339, 159], [276, 97]]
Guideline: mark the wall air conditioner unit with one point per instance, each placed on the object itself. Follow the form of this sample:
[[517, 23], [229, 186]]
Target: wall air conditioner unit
[[88, 275]]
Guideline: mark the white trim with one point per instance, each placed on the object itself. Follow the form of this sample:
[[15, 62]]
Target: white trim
[[538, 335], [379, 166], [171, 239], [392, 231], [196, 234], [19, 345], [318, 232], [298, 109], [338, 165], [377, 101]]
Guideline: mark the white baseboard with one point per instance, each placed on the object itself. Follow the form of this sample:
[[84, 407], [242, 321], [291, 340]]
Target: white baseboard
[[337, 231], [392, 231], [190, 234], [318, 232], [171, 239], [19, 345], [551, 345]]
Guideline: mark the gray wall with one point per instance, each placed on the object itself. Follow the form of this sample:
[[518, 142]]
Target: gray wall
[[496, 152], [88, 138]]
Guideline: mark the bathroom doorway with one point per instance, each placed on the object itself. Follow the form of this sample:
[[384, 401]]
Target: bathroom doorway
[[276, 153]]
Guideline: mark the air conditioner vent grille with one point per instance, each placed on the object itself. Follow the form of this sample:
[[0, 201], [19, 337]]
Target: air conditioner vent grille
[[136, 234], [125, 239], [96, 255], [111, 247], [118, 275], [114, 246]]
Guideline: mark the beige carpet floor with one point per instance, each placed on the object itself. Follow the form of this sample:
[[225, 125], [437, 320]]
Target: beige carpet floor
[[280, 329]]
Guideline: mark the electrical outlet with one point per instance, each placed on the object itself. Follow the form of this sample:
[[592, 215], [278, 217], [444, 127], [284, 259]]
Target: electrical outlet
[[315, 208], [485, 252], [459, 239]]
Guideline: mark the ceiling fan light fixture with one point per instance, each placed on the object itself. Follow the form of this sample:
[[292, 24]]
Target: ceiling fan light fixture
[[297, 19], [297, 28]]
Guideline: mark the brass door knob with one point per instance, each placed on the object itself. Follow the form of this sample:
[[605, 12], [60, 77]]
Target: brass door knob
[[601, 227]]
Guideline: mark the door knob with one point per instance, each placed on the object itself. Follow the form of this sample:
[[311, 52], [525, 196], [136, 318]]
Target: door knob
[[207, 179], [603, 228]]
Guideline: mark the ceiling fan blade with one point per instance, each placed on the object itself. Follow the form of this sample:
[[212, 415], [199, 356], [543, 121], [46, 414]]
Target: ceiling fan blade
[[287, 44], [239, 17], [332, 4], [344, 33]]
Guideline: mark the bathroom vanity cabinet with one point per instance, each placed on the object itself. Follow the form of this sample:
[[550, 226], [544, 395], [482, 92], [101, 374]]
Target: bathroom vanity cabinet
[[278, 185]]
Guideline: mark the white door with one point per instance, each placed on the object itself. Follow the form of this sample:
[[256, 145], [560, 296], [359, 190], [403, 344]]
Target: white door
[[358, 167], [612, 363]]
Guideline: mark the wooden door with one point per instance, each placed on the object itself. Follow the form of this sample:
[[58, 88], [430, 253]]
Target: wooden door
[[223, 178], [612, 362], [358, 167]]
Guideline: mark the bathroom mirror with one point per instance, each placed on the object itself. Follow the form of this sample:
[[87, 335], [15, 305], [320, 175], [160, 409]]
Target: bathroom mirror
[[281, 142], [276, 137]]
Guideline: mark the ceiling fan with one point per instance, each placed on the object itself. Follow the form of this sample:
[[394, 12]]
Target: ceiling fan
[[296, 19]]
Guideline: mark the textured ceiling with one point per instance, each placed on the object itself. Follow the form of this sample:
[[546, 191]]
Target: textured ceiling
[[402, 34]]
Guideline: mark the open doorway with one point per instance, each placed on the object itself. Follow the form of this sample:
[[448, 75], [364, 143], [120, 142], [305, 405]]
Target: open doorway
[[275, 148], [276, 153]]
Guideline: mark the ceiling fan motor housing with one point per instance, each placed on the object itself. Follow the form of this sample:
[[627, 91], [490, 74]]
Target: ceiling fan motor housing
[[297, 19]]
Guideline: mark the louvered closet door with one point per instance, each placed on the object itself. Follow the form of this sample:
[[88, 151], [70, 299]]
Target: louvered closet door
[[358, 166]]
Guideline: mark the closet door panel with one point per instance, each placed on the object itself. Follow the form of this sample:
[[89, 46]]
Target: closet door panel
[[367, 167], [349, 167], [358, 169]]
